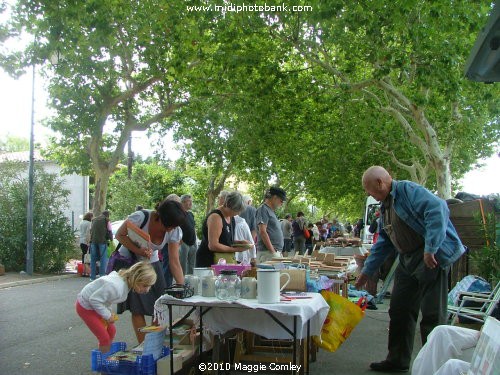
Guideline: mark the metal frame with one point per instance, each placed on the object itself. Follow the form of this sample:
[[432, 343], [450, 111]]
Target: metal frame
[[203, 311]]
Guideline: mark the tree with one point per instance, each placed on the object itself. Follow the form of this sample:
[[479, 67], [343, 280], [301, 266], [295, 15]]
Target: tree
[[123, 67], [149, 184], [14, 144], [404, 60], [302, 99], [53, 237]]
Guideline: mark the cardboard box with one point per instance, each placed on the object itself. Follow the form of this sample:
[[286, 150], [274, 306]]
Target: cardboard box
[[329, 259], [163, 364], [297, 280], [185, 351]]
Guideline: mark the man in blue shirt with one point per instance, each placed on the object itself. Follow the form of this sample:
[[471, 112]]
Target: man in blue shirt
[[416, 223]]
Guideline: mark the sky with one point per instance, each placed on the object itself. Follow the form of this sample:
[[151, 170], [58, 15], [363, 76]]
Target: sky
[[15, 110]]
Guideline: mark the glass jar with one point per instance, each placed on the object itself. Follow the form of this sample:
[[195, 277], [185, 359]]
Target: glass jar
[[228, 286]]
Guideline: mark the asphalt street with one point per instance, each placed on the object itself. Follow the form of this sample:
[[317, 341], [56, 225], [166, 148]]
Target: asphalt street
[[40, 334]]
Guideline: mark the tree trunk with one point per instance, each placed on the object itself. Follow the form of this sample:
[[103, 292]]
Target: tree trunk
[[215, 187], [443, 177], [213, 191], [101, 189], [421, 134]]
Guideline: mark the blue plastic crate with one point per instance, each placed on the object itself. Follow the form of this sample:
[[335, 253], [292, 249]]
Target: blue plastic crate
[[143, 365]]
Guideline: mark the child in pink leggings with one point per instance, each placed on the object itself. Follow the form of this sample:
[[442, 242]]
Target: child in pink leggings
[[93, 303]]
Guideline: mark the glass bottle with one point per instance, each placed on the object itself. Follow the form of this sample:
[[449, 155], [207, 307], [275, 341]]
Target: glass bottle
[[228, 286]]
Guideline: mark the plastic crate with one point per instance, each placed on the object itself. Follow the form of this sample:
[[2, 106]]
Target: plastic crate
[[239, 268], [143, 365]]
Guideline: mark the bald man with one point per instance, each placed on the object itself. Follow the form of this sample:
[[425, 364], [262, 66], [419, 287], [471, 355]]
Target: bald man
[[416, 223]]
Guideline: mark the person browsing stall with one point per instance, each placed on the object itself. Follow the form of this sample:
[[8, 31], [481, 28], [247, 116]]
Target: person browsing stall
[[163, 227], [188, 245], [416, 223], [299, 240], [249, 215], [94, 301], [218, 230], [99, 237], [242, 232], [85, 236], [270, 235], [286, 229]]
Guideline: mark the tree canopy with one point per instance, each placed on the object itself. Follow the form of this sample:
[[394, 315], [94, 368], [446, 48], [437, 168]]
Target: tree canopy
[[306, 100]]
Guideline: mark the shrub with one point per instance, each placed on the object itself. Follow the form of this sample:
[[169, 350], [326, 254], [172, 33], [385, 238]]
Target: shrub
[[53, 238], [487, 260]]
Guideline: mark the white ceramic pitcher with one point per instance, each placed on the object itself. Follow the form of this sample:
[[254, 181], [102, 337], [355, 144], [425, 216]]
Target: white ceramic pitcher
[[268, 285]]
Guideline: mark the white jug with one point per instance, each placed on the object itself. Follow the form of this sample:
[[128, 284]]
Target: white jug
[[248, 288], [268, 285]]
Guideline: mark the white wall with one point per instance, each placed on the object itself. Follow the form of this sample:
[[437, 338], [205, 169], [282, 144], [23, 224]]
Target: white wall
[[78, 198]]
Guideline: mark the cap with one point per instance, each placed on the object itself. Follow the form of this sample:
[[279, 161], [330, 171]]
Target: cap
[[279, 192]]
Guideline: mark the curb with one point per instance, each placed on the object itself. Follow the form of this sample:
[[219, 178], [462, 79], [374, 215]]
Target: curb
[[36, 280]]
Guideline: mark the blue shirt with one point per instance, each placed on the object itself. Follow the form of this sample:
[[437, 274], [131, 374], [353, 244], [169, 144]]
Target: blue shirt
[[426, 214]]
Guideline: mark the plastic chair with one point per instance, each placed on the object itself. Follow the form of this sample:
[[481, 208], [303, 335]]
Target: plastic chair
[[486, 304]]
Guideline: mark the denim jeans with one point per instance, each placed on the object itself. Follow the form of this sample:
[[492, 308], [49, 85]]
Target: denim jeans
[[98, 250]]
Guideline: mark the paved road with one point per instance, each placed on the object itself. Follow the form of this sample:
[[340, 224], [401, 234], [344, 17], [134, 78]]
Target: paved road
[[40, 334]]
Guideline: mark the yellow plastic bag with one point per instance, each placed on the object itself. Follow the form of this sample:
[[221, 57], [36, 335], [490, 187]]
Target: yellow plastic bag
[[340, 321]]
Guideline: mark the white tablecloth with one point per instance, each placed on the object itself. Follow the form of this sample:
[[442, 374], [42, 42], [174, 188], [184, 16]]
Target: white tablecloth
[[250, 315]]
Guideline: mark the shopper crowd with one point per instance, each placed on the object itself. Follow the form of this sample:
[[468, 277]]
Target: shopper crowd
[[415, 227]]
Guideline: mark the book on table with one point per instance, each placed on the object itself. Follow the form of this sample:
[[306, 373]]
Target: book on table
[[139, 237]]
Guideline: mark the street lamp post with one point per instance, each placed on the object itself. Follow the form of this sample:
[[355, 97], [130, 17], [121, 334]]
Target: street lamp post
[[54, 60], [29, 224], [130, 158]]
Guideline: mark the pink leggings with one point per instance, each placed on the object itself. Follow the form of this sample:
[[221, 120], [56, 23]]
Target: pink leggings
[[104, 333]]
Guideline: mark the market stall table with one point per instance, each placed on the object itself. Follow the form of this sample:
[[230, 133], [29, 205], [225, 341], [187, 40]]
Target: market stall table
[[343, 251], [297, 318]]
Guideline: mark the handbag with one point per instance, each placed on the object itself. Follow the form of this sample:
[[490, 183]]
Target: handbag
[[118, 261], [86, 258], [342, 318], [307, 234]]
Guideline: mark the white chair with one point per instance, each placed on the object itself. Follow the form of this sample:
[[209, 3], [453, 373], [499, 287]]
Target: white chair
[[486, 304]]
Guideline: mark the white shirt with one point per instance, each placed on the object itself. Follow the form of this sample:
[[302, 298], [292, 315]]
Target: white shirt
[[315, 232], [171, 237], [85, 231], [242, 232], [100, 294]]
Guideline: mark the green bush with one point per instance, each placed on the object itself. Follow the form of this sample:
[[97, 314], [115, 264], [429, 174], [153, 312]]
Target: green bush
[[487, 260], [53, 238]]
